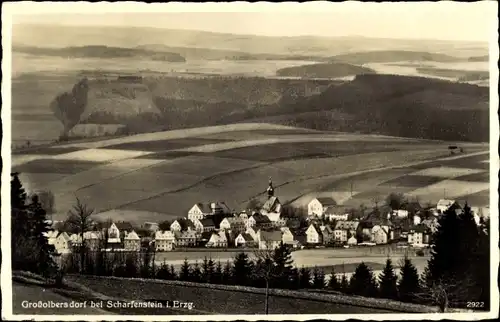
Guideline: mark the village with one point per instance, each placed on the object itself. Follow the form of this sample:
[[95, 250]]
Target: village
[[215, 225]]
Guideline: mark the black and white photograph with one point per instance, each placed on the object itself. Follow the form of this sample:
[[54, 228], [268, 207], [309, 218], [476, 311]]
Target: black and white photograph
[[250, 161]]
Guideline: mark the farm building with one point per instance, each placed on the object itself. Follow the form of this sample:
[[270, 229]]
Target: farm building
[[318, 206], [164, 241]]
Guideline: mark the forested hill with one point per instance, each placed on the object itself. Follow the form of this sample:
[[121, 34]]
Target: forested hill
[[404, 106], [100, 52]]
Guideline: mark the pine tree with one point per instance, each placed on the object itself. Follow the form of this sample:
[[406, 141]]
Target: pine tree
[[344, 284], [164, 272], [388, 282], [173, 274], [294, 279], [226, 273], [318, 278], [304, 278], [217, 276], [333, 282], [241, 269], [409, 285], [458, 268], [185, 272], [196, 273], [208, 270], [363, 282], [45, 263], [283, 265], [204, 271]]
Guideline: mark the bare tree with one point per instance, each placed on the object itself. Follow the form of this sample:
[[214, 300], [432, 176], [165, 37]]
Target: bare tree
[[266, 269], [446, 294], [80, 219]]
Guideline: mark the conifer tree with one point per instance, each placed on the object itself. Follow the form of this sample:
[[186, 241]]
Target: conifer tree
[[294, 279], [283, 265], [388, 282], [185, 272], [333, 282], [304, 278], [363, 282], [344, 284], [318, 278], [409, 285], [45, 252], [195, 273], [217, 276], [226, 273], [241, 269], [173, 274]]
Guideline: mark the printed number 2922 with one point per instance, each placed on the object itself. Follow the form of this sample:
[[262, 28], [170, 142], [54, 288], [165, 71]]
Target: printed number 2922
[[475, 304]]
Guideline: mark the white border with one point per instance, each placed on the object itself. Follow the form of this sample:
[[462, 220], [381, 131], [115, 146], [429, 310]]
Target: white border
[[105, 7]]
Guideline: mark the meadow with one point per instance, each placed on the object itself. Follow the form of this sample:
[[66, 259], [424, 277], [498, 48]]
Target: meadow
[[114, 175]]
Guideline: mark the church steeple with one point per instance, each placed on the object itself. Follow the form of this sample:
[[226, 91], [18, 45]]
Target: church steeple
[[270, 189]]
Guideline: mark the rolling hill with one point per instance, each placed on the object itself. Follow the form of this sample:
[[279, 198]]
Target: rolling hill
[[157, 176], [387, 56], [326, 70], [41, 36], [100, 51]]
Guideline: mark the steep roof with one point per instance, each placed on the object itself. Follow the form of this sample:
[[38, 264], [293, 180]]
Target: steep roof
[[164, 234], [274, 235], [326, 201], [350, 225], [207, 222], [261, 219], [445, 202], [132, 236], [271, 204], [205, 208]]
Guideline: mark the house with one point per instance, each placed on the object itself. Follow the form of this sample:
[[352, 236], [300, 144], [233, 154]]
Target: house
[[352, 241], [380, 234], [199, 211], [181, 225], [218, 239], [344, 229], [244, 216], [62, 243], [445, 204], [318, 206], [327, 233], [259, 221], [244, 240], [93, 239], [204, 225], [336, 213], [252, 232], [76, 240], [269, 239], [132, 242], [287, 236], [399, 213], [113, 234], [419, 235], [417, 220], [234, 224], [314, 235], [164, 241], [186, 238]]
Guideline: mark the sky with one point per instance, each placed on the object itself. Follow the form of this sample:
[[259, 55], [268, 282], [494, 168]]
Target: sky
[[421, 20]]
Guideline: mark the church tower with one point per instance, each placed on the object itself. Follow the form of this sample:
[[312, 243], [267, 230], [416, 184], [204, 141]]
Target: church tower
[[270, 189]]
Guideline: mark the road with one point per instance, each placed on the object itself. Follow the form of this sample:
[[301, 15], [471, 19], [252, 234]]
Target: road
[[23, 295]]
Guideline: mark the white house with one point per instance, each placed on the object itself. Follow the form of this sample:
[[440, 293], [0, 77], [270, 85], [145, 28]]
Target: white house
[[400, 213], [199, 211], [318, 206], [380, 234], [164, 240], [132, 242], [113, 234], [186, 238], [204, 225], [245, 240], [417, 220], [419, 235], [62, 243], [232, 223], [287, 236], [269, 239], [352, 241], [344, 229], [314, 235], [175, 226], [218, 239], [252, 232]]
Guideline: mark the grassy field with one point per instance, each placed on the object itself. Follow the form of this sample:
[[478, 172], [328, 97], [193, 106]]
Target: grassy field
[[179, 168]]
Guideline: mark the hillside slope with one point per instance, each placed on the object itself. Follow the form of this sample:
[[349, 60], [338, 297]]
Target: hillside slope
[[100, 52], [327, 70], [387, 56], [400, 106]]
